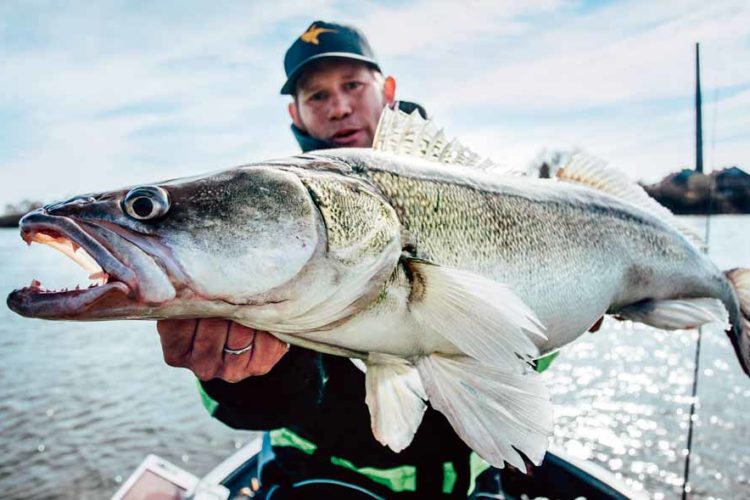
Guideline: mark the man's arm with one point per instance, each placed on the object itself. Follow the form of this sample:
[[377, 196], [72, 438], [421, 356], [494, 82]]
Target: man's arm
[[263, 388]]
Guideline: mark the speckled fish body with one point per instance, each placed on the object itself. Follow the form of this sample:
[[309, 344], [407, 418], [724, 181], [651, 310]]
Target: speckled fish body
[[570, 252]]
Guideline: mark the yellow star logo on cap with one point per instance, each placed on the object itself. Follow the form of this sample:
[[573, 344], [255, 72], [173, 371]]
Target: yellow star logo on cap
[[312, 34]]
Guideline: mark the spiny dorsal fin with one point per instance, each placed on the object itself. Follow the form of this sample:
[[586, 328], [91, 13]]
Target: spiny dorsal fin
[[593, 172], [409, 134]]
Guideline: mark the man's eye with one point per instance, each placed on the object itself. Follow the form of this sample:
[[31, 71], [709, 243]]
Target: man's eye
[[318, 96], [352, 85]]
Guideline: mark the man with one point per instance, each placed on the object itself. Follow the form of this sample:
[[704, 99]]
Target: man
[[314, 403]]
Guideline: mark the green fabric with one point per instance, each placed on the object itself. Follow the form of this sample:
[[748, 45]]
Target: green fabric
[[209, 403], [285, 437], [544, 362], [476, 465], [402, 478], [449, 477]]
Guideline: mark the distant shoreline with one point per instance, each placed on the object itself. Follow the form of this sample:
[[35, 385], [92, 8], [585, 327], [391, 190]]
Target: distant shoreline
[[10, 220], [689, 192], [13, 213]]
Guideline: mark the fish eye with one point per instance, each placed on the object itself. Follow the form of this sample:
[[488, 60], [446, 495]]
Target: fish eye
[[146, 202]]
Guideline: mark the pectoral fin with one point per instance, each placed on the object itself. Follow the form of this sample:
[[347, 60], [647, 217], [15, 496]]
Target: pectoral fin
[[676, 314], [396, 399], [496, 412], [483, 318]]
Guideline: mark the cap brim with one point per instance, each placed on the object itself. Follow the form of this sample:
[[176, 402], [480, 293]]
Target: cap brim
[[291, 81]]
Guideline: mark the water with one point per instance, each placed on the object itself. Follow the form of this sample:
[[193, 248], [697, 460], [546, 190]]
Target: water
[[623, 396], [82, 404]]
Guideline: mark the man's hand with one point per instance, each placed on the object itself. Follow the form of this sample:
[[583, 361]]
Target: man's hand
[[198, 344]]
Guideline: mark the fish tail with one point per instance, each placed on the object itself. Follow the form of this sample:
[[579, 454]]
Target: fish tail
[[739, 333]]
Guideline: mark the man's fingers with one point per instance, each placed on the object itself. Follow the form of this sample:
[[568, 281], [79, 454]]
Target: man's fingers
[[206, 356], [199, 346], [236, 365], [267, 351], [176, 336], [239, 336]]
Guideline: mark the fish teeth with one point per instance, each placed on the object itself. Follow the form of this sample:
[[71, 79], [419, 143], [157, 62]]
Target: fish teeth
[[99, 277], [36, 285]]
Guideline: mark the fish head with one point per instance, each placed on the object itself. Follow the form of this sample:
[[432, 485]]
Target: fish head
[[193, 247], [260, 244]]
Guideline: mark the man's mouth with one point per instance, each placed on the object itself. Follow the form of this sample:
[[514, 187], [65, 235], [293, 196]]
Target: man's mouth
[[347, 136]]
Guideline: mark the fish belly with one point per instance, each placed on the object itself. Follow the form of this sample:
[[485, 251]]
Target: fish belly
[[387, 326]]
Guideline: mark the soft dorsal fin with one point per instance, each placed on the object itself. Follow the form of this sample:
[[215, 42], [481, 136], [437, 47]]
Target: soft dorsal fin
[[408, 134], [593, 172]]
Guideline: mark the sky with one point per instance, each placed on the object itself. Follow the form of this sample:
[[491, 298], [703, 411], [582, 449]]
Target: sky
[[99, 95]]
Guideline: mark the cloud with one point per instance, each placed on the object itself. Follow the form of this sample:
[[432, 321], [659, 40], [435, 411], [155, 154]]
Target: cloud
[[428, 29], [617, 81], [110, 94], [612, 66], [101, 95]]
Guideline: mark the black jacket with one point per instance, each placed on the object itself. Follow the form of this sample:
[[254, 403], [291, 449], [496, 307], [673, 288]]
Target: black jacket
[[322, 399]]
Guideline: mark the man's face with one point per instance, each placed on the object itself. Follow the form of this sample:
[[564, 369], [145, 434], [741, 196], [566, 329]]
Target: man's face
[[340, 101]]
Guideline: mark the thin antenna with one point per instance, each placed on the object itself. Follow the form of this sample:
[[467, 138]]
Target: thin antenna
[[686, 488], [698, 118]]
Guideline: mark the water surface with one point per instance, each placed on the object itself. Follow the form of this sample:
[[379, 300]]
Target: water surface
[[81, 404]]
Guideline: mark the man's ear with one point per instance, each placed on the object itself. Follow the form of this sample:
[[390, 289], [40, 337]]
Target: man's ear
[[294, 113], [389, 90]]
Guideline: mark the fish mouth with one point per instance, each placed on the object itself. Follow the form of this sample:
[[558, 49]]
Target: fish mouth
[[113, 264]]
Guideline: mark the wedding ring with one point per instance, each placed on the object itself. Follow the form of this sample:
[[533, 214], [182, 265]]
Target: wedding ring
[[237, 352]]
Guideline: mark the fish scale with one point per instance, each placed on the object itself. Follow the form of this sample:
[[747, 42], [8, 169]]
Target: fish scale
[[537, 241]]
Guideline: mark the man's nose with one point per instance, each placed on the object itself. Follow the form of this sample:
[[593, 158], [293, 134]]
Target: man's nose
[[341, 106]]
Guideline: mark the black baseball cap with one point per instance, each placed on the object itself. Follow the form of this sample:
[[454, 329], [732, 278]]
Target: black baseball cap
[[323, 40]]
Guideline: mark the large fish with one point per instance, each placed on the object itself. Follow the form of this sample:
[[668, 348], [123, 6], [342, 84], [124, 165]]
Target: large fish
[[446, 281]]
